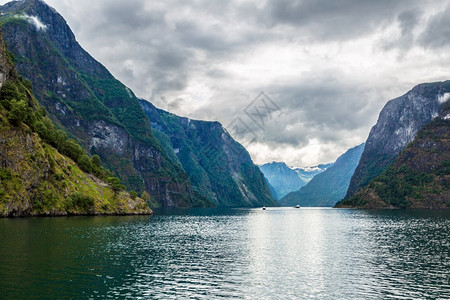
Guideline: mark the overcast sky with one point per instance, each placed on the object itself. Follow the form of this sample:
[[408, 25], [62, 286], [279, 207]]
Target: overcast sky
[[330, 66]]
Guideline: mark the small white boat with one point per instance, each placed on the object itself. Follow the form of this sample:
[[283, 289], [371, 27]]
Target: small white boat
[[264, 208], [297, 206]]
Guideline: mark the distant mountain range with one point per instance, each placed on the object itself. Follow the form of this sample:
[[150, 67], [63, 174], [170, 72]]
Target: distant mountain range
[[330, 186], [285, 179]]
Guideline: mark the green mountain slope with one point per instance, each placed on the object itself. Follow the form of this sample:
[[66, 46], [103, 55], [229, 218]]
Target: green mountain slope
[[218, 166], [420, 175], [83, 98], [35, 178], [330, 186]]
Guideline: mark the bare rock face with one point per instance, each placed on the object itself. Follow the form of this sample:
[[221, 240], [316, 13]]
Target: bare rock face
[[397, 126], [108, 137]]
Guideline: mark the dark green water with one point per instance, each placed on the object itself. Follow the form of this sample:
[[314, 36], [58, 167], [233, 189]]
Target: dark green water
[[281, 253]]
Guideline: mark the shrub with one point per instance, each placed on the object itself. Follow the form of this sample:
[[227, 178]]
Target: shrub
[[115, 184], [72, 149], [5, 174], [18, 111], [96, 161], [8, 93], [85, 163], [80, 201], [133, 195]]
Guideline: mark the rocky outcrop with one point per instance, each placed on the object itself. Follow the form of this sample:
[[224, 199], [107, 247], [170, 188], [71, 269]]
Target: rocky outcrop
[[85, 99], [397, 125], [219, 167], [330, 186], [108, 137]]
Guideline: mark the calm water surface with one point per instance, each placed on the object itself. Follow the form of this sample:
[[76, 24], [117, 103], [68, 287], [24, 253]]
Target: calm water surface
[[281, 253]]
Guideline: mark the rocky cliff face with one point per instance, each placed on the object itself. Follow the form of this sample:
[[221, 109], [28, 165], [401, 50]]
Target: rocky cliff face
[[420, 175], [35, 178], [397, 125], [218, 166], [85, 99], [330, 186]]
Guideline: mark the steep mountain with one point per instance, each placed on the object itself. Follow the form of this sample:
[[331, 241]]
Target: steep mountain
[[397, 125], [328, 187], [83, 98], [282, 178], [38, 175], [420, 175], [218, 167]]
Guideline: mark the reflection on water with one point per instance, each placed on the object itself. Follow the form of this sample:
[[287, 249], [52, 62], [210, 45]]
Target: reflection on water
[[242, 253]]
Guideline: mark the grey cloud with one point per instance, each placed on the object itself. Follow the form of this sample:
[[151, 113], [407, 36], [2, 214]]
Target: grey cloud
[[328, 108], [437, 32], [133, 17], [175, 104], [336, 20], [408, 21]]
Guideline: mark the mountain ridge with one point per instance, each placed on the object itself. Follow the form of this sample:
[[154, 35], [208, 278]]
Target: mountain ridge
[[83, 97]]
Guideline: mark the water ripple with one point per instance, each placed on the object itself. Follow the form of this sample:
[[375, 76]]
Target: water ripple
[[243, 254]]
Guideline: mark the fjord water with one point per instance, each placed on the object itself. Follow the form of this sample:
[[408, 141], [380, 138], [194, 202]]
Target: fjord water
[[280, 253]]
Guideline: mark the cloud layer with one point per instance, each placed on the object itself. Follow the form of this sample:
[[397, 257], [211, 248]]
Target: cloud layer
[[329, 66]]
